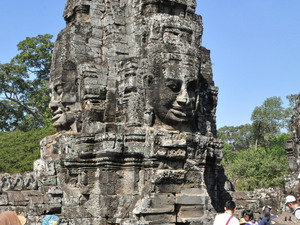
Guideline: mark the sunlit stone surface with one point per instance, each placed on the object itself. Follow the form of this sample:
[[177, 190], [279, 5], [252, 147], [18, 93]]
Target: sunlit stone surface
[[134, 104]]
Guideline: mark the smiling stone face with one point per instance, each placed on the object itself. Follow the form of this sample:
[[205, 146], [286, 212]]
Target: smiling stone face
[[177, 85], [175, 92]]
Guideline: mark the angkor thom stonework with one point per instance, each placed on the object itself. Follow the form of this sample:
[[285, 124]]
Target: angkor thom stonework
[[293, 144], [134, 105]]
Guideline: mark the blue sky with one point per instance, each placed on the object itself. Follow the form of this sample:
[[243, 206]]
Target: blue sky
[[255, 46]]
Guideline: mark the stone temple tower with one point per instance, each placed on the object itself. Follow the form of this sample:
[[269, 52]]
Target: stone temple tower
[[134, 103], [292, 145]]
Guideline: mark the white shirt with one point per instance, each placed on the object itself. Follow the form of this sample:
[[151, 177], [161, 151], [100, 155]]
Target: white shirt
[[222, 219], [298, 177], [297, 213]]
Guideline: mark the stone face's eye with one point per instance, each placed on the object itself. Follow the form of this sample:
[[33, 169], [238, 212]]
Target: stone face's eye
[[174, 85], [192, 85], [58, 89]]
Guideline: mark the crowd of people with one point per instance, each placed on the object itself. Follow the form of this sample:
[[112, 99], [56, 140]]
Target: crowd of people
[[247, 216]]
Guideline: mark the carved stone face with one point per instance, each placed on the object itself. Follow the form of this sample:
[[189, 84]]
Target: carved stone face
[[174, 92], [64, 98]]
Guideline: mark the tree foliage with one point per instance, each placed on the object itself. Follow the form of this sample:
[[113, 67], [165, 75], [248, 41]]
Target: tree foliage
[[268, 120], [24, 85], [249, 168], [292, 100], [19, 149], [239, 137], [254, 154]]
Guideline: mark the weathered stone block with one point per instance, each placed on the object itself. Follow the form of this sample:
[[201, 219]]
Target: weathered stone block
[[194, 191], [3, 200], [160, 218], [76, 211], [184, 199], [189, 212], [16, 198]]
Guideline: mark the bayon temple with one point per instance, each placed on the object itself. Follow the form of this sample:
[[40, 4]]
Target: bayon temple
[[134, 105]]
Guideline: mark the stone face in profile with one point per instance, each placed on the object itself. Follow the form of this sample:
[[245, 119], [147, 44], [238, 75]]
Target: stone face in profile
[[65, 97]]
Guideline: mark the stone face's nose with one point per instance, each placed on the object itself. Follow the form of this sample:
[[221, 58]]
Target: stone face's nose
[[183, 98], [53, 105]]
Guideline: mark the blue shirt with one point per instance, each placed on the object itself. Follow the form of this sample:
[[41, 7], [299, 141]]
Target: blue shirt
[[265, 222]]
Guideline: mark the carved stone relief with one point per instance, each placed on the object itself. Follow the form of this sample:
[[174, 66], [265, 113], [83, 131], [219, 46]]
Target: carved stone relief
[[133, 102]]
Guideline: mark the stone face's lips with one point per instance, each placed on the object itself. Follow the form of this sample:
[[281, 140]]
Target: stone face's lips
[[181, 113], [56, 115]]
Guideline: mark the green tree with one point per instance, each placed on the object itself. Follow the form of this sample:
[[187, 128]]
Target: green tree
[[254, 155], [24, 85], [292, 100], [257, 168], [268, 119], [239, 137], [20, 149]]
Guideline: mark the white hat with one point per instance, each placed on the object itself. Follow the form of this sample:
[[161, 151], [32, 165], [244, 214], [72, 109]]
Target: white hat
[[266, 206], [290, 198]]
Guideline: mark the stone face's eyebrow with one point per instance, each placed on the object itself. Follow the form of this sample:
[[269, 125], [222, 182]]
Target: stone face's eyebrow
[[164, 7], [173, 80]]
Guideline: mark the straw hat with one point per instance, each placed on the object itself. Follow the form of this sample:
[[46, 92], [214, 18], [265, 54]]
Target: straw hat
[[242, 221], [22, 219]]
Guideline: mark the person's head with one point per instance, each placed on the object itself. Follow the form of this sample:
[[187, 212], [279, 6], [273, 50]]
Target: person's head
[[230, 206], [267, 211], [291, 202], [247, 214], [11, 217]]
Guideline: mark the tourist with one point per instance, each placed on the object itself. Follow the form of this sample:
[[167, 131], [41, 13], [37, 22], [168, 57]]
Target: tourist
[[268, 216], [50, 220], [247, 214], [291, 202], [298, 188], [227, 217], [11, 218]]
